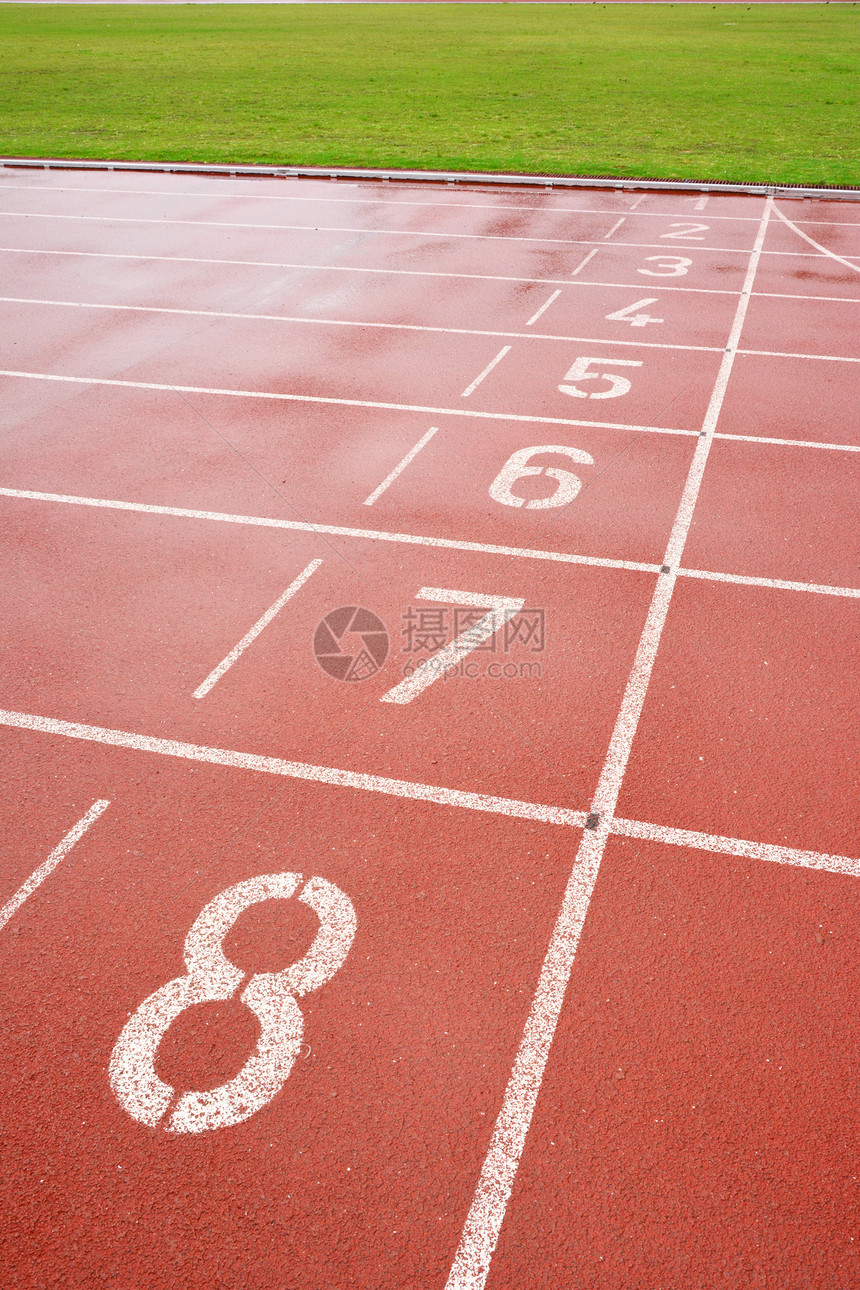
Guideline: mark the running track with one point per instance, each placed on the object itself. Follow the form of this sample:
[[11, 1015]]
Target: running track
[[541, 970]]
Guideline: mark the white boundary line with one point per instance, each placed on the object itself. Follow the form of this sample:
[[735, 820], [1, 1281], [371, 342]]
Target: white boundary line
[[401, 466], [483, 1223], [250, 636], [385, 326], [777, 584], [506, 349], [736, 847], [417, 791], [364, 200], [346, 403], [294, 769], [47, 868], [415, 539], [419, 327], [426, 234], [414, 273]]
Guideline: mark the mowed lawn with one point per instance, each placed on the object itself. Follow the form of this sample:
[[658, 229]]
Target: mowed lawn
[[740, 92]]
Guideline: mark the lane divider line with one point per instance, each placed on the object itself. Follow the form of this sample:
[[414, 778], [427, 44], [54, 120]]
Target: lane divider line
[[333, 530], [437, 234], [736, 847], [344, 403], [448, 544], [364, 200], [349, 322], [400, 467], [413, 273], [295, 769], [250, 636], [58, 854], [483, 1223], [511, 807]]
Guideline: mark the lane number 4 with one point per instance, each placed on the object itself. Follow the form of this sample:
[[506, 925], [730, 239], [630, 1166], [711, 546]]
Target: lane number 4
[[629, 314]]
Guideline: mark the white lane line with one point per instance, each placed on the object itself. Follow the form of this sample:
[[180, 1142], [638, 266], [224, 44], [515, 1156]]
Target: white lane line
[[350, 322], [421, 327], [401, 466], [59, 853], [364, 200], [615, 228], [555, 295], [414, 539], [294, 769], [435, 235], [345, 403], [506, 349], [790, 443], [502, 610], [250, 636], [510, 807], [408, 273], [737, 847], [778, 584], [778, 353], [817, 245], [582, 263], [481, 1231], [302, 526]]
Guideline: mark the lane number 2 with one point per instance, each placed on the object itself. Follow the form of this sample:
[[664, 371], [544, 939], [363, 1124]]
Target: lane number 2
[[618, 385], [694, 231], [517, 467], [502, 609], [629, 314], [271, 996]]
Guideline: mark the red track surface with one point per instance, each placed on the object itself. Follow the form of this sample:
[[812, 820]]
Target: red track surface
[[599, 1010]]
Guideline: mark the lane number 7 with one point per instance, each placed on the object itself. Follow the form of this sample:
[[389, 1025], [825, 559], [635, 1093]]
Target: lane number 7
[[502, 609]]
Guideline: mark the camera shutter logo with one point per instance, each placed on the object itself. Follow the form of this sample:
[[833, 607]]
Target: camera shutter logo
[[351, 643]]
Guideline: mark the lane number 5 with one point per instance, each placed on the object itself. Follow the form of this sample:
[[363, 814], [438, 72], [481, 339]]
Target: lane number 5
[[618, 385], [271, 996]]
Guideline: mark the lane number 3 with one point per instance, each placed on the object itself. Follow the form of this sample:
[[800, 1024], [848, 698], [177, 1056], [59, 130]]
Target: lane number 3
[[271, 996]]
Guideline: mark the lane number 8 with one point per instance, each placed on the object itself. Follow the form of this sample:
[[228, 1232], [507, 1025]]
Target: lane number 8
[[271, 996]]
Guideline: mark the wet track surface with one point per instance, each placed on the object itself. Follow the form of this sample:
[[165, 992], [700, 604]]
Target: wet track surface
[[503, 927]]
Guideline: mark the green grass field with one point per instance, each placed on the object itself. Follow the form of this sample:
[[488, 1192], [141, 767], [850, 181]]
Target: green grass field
[[692, 91]]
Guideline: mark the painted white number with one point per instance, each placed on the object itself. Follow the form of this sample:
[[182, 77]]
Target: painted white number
[[671, 266], [517, 467], [688, 230], [271, 996], [502, 609], [630, 315], [618, 385]]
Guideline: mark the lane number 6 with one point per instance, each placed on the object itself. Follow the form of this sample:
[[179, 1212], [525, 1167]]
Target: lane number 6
[[517, 467]]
